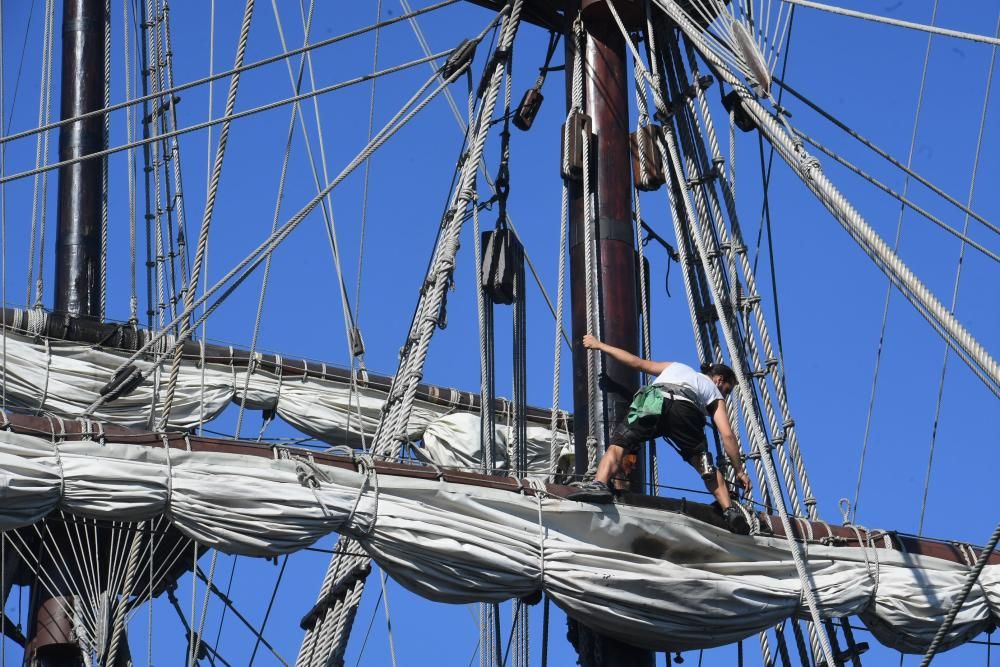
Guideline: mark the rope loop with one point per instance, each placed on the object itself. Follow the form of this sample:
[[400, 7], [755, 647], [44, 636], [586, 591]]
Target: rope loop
[[366, 466], [170, 473]]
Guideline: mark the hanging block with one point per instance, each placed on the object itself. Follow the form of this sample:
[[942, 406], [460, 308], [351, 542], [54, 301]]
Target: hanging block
[[527, 109], [734, 104], [576, 127], [645, 139], [502, 257]]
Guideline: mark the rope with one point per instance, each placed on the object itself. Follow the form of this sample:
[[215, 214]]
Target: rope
[[594, 398], [392, 426], [223, 119], [40, 200], [104, 162], [257, 256], [206, 220], [296, 82], [888, 287], [902, 199], [896, 22], [958, 277], [970, 581], [888, 157], [856, 226], [757, 437], [557, 351]]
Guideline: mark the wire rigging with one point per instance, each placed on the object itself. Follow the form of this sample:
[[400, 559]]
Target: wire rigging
[[958, 274], [889, 284]]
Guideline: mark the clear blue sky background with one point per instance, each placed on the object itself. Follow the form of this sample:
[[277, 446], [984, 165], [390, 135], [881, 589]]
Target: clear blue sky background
[[831, 296]]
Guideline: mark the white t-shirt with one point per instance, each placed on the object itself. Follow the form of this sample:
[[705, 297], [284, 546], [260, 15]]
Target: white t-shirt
[[699, 386]]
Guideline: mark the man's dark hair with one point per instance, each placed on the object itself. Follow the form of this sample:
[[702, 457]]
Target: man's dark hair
[[722, 370]]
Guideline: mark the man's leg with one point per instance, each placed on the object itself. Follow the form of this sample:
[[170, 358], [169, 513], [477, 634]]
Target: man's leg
[[610, 463], [718, 488], [599, 489], [733, 515]]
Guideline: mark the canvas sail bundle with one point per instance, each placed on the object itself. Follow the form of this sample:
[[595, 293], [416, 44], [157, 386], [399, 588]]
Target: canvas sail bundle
[[65, 378], [649, 577]]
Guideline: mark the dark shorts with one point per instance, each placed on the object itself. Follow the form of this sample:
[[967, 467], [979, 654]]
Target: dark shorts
[[680, 421]]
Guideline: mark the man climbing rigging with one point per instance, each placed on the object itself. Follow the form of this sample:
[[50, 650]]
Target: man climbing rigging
[[674, 406]]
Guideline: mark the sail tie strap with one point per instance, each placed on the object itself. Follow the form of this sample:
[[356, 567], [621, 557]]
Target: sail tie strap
[[538, 487], [366, 466], [170, 473]]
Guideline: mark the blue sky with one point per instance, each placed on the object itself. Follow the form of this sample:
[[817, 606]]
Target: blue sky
[[831, 296]]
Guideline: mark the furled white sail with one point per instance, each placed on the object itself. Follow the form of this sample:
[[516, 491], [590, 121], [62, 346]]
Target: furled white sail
[[65, 378], [649, 577]]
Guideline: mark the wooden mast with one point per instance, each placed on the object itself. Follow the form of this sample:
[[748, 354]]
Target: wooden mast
[[52, 641], [606, 103]]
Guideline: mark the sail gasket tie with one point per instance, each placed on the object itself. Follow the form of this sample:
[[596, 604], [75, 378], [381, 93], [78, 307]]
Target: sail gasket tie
[[366, 465], [170, 474]]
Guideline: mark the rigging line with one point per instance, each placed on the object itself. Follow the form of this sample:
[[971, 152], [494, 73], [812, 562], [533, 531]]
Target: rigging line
[[888, 288], [226, 73], [172, 598], [104, 162], [222, 119], [226, 601], [130, 164], [970, 581], [204, 276], [206, 221], [270, 605], [175, 152], [41, 152], [3, 237], [958, 274], [255, 258], [765, 212], [887, 156], [906, 202], [296, 86], [355, 362], [485, 171], [196, 649], [20, 67], [934, 30], [364, 187], [371, 623], [388, 619], [229, 588], [766, 207], [770, 256], [326, 205]]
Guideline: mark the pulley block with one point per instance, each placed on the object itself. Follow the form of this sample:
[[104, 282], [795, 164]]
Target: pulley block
[[576, 128], [644, 142]]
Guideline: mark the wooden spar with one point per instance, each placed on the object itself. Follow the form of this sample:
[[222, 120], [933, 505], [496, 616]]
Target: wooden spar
[[78, 242], [127, 338], [817, 531]]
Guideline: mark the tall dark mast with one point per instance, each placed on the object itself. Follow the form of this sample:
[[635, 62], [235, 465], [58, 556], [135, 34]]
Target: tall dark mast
[[606, 102], [78, 242], [52, 641]]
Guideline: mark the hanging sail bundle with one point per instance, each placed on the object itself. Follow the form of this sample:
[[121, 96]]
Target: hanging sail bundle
[[64, 378], [650, 577]]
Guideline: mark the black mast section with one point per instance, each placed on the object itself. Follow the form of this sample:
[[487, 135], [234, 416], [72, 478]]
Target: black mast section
[[53, 641], [78, 243]]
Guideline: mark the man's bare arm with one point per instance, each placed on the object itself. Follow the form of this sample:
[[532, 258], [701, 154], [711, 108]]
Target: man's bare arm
[[627, 358], [721, 419]]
